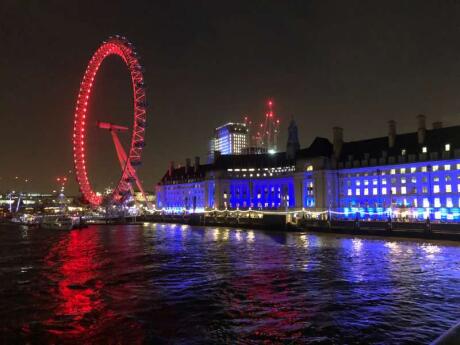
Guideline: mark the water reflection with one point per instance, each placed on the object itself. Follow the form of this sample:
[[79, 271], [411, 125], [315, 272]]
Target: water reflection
[[165, 283]]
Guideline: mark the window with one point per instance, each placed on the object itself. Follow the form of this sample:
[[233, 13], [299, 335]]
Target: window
[[424, 149], [435, 189], [403, 190], [310, 168], [374, 182], [384, 190], [447, 147], [448, 188], [358, 191], [366, 182], [366, 191], [403, 170], [403, 152], [435, 167], [426, 202], [437, 202], [449, 203], [447, 167], [413, 169], [413, 180], [393, 171], [358, 183], [384, 181], [403, 180], [424, 169], [424, 190], [374, 191], [393, 190]]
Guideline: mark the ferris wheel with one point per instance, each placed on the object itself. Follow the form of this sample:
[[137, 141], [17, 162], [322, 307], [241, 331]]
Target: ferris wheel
[[130, 159]]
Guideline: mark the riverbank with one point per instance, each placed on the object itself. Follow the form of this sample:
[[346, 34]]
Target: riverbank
[[433, 231]]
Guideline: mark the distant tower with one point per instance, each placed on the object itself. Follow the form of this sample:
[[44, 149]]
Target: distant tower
[[293, 141]]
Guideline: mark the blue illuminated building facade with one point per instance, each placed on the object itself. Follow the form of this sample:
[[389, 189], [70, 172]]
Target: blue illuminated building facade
[[411, 176]]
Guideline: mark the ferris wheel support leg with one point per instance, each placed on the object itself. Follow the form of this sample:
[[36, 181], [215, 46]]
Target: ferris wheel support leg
[[121, 153]]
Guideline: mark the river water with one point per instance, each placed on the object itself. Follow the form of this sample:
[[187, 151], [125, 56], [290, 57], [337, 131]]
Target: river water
[[176, 284]]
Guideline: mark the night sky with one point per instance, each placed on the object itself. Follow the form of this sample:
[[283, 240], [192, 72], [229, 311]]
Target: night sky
[[356, 64]]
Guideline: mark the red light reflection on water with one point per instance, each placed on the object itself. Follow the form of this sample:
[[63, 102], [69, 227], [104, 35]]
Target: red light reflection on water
[[78, 288], [82, 285]]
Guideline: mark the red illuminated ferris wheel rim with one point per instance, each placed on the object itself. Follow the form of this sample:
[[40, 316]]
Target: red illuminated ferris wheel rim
[[121, 47]]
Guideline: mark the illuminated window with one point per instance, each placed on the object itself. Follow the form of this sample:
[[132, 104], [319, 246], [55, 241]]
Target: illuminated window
[[403, 170], [358, 183], [437, 202], [424, 169], [403, 152], [403, 190], [358, 191], [413, 169], [435, 167], [448, 188], [449, 203], [403, 180], [393, 171], [374, 191], [447, 147], [366, 182], [458, 188], [425, 190], [384, 190], [426, 202], [413, 180], [424, 149], [310, 168], [393, 190], [447, 167], [435, 189], [458, 166], [384, 181], [366, 191]]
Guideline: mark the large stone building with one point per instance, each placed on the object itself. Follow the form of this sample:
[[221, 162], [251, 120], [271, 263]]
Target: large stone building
[[413, 175]]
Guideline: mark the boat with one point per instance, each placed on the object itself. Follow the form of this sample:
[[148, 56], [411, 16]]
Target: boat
[[60, 222], [27, 220]]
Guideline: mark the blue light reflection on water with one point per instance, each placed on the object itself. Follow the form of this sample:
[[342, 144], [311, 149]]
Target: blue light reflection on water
[[166, 283]]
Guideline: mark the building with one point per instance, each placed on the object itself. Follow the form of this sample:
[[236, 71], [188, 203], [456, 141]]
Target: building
[[407, 176], [229, 139]]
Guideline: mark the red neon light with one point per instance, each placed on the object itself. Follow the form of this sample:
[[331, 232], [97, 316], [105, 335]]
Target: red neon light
[[113, 46]]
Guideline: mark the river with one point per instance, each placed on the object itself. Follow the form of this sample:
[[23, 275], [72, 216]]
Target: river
[[176, 284]]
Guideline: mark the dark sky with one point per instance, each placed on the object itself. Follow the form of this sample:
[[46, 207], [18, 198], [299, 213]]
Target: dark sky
[[355, 64]]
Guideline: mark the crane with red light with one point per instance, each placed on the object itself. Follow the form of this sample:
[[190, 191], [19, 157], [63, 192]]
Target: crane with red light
[[266, 133]]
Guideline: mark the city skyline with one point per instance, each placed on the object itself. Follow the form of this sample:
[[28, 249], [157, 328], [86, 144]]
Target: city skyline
[[312, 58]]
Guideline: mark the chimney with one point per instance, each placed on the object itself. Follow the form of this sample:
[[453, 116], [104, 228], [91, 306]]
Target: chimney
[[188, 165], [437, 125], [171, 168], [337, 140], [391, 133], [197, 163], [421, 128]]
